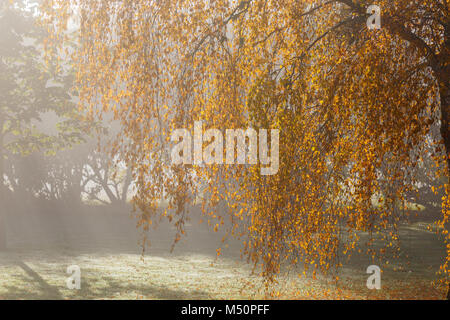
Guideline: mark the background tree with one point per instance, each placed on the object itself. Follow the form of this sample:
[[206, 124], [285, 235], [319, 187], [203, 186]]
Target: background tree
[[105, 180], [30, 88]]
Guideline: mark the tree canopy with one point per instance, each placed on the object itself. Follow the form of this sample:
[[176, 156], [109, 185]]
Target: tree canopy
[[358, 111]]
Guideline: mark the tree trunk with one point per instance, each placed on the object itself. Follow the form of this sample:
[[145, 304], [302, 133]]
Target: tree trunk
[[443, 75], [126, 185], [445, 132], [444, 92]]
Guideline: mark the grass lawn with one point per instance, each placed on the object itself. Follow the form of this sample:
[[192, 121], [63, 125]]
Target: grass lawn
[[113, 267]]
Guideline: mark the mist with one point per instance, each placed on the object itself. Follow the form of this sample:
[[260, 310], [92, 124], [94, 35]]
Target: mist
[[86, 181]]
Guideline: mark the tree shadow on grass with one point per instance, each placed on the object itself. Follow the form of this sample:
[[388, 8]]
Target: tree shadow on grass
[[32, 278], [31, 286]]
